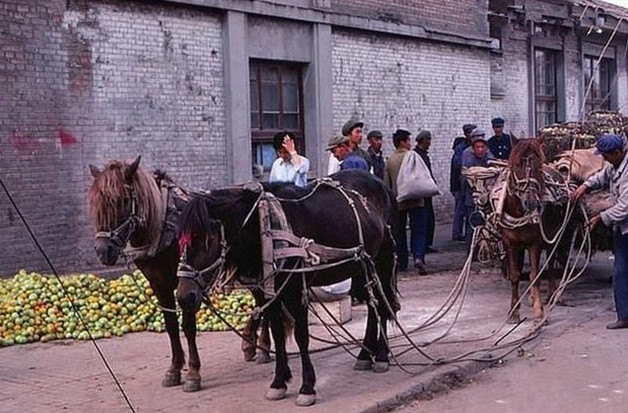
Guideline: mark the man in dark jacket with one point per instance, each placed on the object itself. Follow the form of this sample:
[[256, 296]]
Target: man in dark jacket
[[456, 183], [423, 142], [499, 144], [376, 157]]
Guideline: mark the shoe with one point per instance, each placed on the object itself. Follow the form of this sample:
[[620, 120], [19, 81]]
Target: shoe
[[431, 250], [420, 266], [618, 324]]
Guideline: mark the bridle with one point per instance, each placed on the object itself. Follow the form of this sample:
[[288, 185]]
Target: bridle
[[121, 234], [520, 186], [200, 277], [212, 271]]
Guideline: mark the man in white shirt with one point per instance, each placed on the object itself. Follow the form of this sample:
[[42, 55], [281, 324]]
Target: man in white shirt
[[289, 165]]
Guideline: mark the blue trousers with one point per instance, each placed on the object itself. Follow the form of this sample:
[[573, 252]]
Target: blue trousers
[[460, 214], [418, 235], [620, 274]]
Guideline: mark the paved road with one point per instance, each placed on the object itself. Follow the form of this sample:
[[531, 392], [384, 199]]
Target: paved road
[[69, 376], [582, 371]]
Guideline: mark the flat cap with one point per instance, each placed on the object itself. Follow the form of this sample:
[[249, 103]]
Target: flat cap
[[477, 132], [375, 134], [468, 128], [609, 143], [335, 141], [351, 124], [424, 134], [497, 122]]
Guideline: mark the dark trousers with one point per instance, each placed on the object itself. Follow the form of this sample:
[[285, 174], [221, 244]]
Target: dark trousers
[[418, 233], [460, 214], [620, 274], [431, 222]]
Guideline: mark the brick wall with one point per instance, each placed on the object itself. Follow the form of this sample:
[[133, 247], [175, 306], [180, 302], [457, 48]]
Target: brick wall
[[394, 82], [464, 17], [83, 82]]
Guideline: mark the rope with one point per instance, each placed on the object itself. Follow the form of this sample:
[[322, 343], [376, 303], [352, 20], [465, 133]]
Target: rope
[[70, 299]]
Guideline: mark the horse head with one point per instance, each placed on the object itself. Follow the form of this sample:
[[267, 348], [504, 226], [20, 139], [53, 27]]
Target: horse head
[[525, 178], [122, 201], [212, 227]]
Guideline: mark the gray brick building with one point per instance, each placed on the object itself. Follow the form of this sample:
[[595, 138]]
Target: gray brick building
[[198, 86]]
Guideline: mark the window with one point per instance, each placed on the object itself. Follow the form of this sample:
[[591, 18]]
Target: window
[[545, 87], [599, 97], [276, 105]]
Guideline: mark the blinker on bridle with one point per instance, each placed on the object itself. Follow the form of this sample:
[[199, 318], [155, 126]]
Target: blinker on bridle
[[120, 235]]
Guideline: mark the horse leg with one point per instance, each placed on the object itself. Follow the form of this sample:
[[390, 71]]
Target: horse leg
[[365, 361], [535, 290], [249, 338], [263, 344], [387, 302], [307, 395], [514, 274], [173, 374], [283, 375], [193, 377]]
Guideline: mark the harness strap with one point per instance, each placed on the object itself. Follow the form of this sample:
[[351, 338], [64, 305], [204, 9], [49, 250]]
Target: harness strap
[[308, 249]]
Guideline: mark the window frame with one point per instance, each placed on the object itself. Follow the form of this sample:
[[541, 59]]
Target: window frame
[[541, 117], [261, 134], [598, 98]]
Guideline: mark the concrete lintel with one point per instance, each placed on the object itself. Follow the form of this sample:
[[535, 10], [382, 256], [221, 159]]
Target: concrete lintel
[[311, 15]]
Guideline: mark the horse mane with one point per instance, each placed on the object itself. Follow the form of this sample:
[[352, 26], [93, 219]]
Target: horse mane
[[108, 197], [287, 190], [523, 146]]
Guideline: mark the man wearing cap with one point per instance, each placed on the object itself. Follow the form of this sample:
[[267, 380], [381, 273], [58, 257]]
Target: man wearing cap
[[374, 151], [456, 182], [477, 154], [499, 144], [423, 142], [339, 147], [614, 176], [412, 208], [289, 165], [353, 130]]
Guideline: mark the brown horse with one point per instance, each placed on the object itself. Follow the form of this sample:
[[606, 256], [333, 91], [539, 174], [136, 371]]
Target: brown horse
[[527, 222], [131, 212]]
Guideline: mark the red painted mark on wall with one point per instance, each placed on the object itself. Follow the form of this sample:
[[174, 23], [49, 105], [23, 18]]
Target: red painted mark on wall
[[66, 138], [23, 142]]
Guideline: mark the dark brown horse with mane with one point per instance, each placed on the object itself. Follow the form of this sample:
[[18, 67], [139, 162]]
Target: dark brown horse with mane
[[529, 221], [332, 233]]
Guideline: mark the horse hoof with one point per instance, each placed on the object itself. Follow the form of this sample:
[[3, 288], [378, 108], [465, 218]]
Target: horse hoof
[[305, 400], [171, 380], [513, 320], [249, 355], [362, 365], [380, 366], [192, 385], [275, 394], [262, 358]]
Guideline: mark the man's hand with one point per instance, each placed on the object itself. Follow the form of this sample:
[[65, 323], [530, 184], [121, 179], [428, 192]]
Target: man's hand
[[594, 221], [577, 194], [288, 144]]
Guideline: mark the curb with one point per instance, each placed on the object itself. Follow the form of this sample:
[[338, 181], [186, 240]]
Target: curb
[[432, 383]]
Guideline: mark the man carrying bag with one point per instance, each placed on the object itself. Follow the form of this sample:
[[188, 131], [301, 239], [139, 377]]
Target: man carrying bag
[[409, 179]]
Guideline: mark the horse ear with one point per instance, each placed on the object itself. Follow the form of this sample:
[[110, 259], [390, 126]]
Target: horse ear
[[513, 139], [94, 171], [128, 175]]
